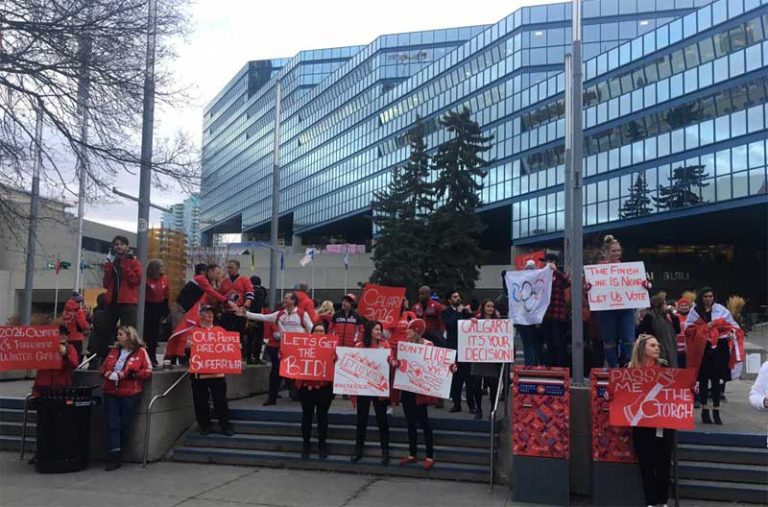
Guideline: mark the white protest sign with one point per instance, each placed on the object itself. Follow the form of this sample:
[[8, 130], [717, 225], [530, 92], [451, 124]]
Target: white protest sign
[[529, 291], [617, 286], [486, 341], [424, 369], [361, 372]]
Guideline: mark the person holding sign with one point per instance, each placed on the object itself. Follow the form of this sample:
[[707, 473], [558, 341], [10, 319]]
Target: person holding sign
[[372, 338], [60, 377], [485, 372], [210, 385], [126, 368]]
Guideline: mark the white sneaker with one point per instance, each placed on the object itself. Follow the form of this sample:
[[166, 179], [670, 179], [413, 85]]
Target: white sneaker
[[390, 411]]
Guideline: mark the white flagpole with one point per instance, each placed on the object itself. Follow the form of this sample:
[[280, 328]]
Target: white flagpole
[[56, 295], [313, 278]]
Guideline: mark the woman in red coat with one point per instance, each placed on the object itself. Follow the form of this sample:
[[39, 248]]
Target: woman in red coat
[[126, 368], [372, 339], [314, 395]]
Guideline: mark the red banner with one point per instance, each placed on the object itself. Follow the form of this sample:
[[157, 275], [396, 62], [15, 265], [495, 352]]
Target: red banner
[[652, 397], [29, 348], [382, 304], [307, 356], [215, 351], [536, 257], [541, 412], [609, 443]]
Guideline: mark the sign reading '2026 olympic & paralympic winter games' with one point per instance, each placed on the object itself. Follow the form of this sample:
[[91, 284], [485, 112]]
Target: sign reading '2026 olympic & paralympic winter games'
[[29, 348], [617, 286], [529, 291]]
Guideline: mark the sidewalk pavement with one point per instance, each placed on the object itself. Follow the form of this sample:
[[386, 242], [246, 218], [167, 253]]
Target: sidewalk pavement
[[169, 484]]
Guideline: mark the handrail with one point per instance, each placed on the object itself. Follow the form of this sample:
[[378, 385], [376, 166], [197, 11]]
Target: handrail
[[24, 426], [499, 387], [149, 415], [86, 361]]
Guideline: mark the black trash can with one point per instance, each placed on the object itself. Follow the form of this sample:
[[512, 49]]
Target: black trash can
[[64, 428]]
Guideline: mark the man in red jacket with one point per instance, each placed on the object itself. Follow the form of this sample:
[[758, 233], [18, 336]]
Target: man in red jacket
[[73, 318], [122, 277], [430, 311], [306, 304], [347, 324], [238, 289]]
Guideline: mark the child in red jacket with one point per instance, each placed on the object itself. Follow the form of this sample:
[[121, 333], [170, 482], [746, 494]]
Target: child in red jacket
[[126, 368], [46, 379]]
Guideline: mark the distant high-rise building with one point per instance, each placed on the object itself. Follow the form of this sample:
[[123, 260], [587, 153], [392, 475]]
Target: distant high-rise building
[[169, 246], [185, 217]]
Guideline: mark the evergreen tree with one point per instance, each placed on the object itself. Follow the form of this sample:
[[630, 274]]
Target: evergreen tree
[[400, 212], [638, 202], [455, 227], [682, 190]]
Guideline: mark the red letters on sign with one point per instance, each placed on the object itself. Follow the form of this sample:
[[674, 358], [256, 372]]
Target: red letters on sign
[[215, 351], [382, 304], [29, 348], [307, 356], [652, 397]]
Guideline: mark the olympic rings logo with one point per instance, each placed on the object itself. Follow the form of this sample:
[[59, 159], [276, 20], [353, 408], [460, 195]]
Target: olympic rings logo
[[528, 294]]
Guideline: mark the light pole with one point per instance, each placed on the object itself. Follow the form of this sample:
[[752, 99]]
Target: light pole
[[275, 203], [34, 205]]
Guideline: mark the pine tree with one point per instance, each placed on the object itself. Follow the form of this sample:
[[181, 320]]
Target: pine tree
[[400, 212], [638, 202], [681, 190], [455, 227]]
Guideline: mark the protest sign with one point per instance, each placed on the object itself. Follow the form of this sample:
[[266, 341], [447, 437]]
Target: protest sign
[[215, 350], [424, 369], [382, 304], [361, 372], [529, 291], [486, 341], [616, 286], [611, 444], [29, 348], [652, 397], [307, 356], [541, 415]]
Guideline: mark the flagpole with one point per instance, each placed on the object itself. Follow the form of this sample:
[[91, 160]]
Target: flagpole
[[346, 268], [56, 295], [313, 278]]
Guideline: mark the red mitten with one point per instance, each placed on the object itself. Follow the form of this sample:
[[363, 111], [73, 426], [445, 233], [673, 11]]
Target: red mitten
[[403, 365], [453, 368]]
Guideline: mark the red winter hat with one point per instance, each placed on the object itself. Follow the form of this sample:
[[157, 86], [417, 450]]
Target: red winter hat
[[350, 297], [683, 301], [417, 325]]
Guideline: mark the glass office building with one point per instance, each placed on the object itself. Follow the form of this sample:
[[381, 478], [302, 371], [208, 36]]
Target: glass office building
[[674, 106]]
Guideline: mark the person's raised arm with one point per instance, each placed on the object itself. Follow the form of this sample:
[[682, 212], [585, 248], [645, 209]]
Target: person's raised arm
[[307, 322], [258, 317], [758, 395]]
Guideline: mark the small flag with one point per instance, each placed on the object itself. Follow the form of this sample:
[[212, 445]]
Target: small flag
[[309, 256], [346, 259], [282, 260], [253, 260]]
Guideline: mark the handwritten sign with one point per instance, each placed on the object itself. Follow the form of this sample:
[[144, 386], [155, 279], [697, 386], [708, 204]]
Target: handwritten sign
[[424, 369], [307, 356], [29, 348], [381, 303], [486, 341], [617, 286], [215, 351], [361, 372], [652, 397]]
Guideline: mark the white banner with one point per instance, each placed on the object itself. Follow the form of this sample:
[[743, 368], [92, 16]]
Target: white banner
[[361, 372], [617, 286], [486, 341], [529, 291], [424, 369]]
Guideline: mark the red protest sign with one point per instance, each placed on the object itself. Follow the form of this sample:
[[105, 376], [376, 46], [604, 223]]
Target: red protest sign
[[652, 397], [611, 444], [29, 348], [215, 350], [307, 356], [536, 257], [382, 304]]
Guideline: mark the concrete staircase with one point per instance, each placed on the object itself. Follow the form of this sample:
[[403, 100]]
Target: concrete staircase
[[11, 418], [273, 438]]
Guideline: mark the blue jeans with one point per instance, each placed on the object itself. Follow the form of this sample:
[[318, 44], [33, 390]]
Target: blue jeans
[[120, 412], [617, 328], [531, 345]]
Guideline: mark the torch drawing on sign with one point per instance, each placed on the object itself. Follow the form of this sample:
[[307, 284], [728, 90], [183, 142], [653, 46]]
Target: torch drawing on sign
[[634, 413], [420, 377], [358, 367]]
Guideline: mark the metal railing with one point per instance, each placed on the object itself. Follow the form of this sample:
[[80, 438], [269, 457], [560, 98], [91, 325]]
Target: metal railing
[[152, 402], [86, 361], [500, 386]]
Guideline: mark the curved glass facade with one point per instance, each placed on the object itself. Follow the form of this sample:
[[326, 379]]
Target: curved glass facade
[[669, 84]]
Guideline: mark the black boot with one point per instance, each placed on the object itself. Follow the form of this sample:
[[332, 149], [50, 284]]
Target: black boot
[[305, 451], [456, 408], [478, 413], [705, 416], [385, 450], [114, 461], [322, 450], [716, 416], [357, 454]]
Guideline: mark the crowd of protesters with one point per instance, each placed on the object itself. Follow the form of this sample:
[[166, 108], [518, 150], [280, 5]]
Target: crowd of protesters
[[693, 331]]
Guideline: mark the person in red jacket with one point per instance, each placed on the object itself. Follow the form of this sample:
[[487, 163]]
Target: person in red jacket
[[306, 304], [46, 379], [273, 351], [315, 395], [73, 318], [347, 324], [122, 277], [126, 368], [238, 289], [156, 305], [430, 311]]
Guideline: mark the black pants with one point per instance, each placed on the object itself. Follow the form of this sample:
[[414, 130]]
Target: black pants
[[123, 313], [461, 378], [78, 346], [477, 389], [274, 373], [315, 400], [709, 387], [153, 316], [417, 416], [254, 340], [204, 389], [654, 456], [554, 335], [363, 409]]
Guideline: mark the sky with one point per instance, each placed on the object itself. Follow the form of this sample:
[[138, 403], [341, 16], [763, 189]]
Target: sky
[[228, 33]]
